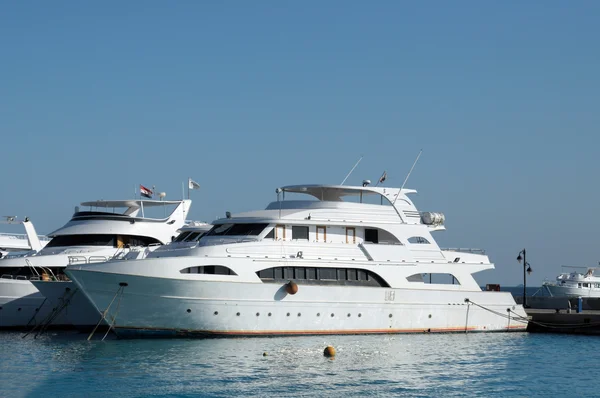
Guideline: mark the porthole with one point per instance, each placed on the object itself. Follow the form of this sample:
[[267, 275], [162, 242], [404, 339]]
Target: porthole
[[390, 315], [430, 315], [258, 314], [237, 314], [359, 314], [299, 314], [332, 315], [189, 310], [348, 315], [288, 314], [216, 312], [269, 314], [318, 313]]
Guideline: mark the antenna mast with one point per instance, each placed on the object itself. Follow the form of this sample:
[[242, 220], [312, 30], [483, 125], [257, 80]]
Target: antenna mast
[[408, 175], [351, 171]]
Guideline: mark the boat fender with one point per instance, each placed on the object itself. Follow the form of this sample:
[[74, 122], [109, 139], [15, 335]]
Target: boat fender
[[291, 287]]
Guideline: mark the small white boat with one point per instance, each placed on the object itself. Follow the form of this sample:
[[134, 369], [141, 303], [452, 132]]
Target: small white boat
[[575, 284]]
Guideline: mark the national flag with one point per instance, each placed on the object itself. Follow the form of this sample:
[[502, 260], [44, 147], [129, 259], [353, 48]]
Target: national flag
[[383, 177], [193, 184], [145, 192]]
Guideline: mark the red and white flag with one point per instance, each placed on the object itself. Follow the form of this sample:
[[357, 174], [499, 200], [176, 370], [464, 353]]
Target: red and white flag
[[145, 192]]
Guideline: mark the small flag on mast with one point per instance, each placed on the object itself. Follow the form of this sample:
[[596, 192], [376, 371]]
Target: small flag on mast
[[383, 177], [193, 184], [145, 192]]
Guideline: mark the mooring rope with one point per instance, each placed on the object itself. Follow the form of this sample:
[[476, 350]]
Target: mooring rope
[[519, 318], [105, 312]]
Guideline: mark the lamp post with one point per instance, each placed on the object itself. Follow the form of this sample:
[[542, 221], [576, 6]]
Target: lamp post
[[526, 271]]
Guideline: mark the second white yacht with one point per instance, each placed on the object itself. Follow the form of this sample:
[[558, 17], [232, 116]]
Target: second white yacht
[[79, 311], [344, 260], [108, 230]]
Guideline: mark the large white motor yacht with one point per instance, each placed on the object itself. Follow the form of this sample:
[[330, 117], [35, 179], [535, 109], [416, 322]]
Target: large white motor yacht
[[338, 260], [108, 230], [64, 296], [575, 284]]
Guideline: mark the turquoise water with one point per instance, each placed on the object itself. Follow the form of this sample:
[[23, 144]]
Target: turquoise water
[[423, 365]]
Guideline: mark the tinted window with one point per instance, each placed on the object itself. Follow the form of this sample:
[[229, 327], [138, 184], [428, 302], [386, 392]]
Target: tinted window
[[182, 236], [237, 230], [418, 240], [82, 240], [271, 234], [371, 235], [192, 236], [299, 232]]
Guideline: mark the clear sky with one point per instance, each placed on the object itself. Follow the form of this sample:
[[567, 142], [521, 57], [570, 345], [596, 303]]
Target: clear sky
[[502, 96]]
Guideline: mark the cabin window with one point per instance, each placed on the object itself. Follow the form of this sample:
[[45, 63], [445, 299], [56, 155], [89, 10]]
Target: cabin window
[[192, 236], [299, 232], [418, 240], [323, 276], [321, 234], [579, 285], [585, 285], [82, 240], [237, 230], [270, 235], [434, 279], [371, 235], [208, 270], [350, 235], [182, 236]]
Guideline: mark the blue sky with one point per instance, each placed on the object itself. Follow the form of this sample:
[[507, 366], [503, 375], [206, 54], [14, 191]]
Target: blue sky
[[246, 96]]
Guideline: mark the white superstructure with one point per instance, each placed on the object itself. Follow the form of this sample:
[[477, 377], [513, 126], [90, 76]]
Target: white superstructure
[[339, 260], [575, 284], [106, 230]]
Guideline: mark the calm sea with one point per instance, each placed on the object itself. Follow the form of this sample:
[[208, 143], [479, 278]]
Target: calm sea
[[422, 365]]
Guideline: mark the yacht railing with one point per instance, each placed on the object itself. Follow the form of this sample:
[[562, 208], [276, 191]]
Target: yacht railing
[[463, 250], [225, 241]]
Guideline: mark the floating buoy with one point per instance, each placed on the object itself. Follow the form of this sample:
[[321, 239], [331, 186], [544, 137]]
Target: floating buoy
[[265, 354], [329, 351], [291, 287]]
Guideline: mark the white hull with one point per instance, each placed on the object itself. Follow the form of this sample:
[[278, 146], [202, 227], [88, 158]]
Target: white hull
[[79, 312], [155, 306], [23, 306], [569, 291]]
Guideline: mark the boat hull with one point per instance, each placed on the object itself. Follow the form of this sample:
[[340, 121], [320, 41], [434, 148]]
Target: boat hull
[[78, 310], [22, 306], [144, 306]]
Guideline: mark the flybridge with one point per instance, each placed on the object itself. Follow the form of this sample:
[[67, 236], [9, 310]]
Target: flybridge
[[119, 209], [338, 193]]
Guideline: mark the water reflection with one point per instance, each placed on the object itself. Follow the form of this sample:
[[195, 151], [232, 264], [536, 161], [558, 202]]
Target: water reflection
[[417, 365]]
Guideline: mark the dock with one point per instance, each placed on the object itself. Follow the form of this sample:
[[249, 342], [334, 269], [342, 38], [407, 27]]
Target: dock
[[563, 315]]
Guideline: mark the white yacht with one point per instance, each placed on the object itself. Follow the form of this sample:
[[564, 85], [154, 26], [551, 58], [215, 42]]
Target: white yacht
[[79, 311], [337, 260], [109, 229], [575, 284], [22, 244]]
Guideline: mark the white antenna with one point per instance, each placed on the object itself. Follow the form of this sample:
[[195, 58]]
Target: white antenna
[[351, 171], [408, 175]]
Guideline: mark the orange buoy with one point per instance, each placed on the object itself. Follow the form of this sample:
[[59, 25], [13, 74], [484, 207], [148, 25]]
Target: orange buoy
[[329, 351], [291, 287]]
